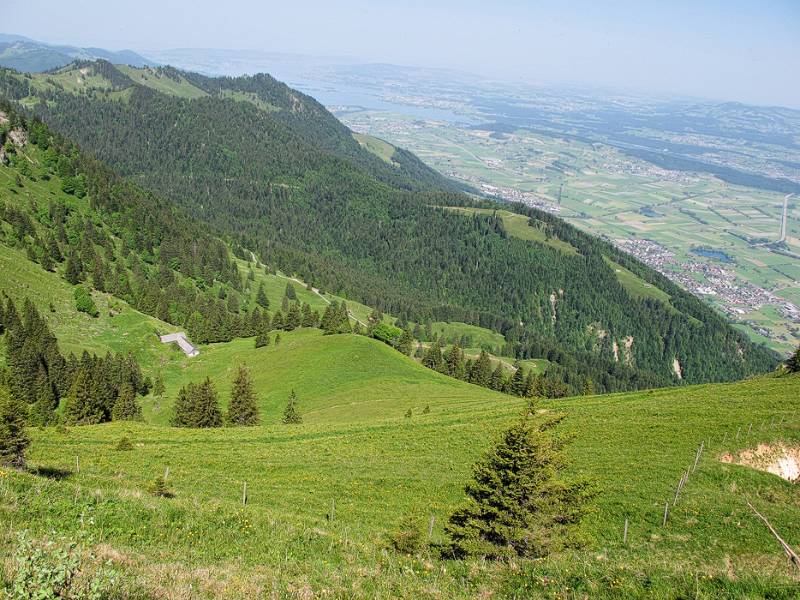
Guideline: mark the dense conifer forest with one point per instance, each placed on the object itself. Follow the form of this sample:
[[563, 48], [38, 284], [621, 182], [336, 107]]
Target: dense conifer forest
[[93, 389], [277, 175]]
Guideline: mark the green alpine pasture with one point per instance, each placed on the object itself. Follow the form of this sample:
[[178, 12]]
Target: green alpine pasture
[[153, 78], [635, 285], [381, 149], [323, 496], [518, 226]]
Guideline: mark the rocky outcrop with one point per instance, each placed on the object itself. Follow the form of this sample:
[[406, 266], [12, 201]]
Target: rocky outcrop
[[676, 368], [18, 137]]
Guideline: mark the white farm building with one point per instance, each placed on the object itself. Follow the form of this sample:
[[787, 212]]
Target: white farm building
[[182, 341]]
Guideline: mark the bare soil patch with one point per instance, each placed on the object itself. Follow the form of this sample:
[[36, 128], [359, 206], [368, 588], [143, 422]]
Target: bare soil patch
[[779, 459]]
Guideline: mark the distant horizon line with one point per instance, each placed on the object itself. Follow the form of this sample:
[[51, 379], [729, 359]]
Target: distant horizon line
[[356, 61]]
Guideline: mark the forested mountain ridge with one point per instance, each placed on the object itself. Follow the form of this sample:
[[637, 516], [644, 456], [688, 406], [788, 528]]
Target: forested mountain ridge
[[275, 173]]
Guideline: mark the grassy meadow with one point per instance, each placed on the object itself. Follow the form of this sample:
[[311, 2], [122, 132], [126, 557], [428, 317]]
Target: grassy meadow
[[323, 496], [381, 149]]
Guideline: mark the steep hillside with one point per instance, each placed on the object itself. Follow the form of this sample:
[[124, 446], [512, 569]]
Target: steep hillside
[[274, 172]]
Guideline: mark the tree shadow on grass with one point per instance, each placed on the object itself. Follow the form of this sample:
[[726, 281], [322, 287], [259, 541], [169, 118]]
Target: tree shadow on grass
[[50, 472]]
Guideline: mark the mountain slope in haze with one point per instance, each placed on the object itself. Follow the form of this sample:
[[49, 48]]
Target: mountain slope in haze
[[270, 169], [24, 54]]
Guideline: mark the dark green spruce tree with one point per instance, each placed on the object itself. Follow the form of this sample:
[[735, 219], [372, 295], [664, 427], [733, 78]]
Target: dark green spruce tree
[[290, 415], [518, 502], [262, 339], [183, 415], [13, 439], [73, 271], [206, 408], [517, 384], [481, 371], [81, 407], [406, 342], [242, 409], [126, 408], [497, 381], [261, 297], [293, 318], [433, 357]]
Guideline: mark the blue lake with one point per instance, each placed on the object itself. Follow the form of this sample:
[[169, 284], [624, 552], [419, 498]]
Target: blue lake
[[711, 253]]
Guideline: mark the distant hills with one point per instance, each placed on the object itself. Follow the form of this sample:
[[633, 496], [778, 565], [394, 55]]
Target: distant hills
[[24, 54]]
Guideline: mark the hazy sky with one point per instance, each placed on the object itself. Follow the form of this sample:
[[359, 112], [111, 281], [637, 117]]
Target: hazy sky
[[746, 50]]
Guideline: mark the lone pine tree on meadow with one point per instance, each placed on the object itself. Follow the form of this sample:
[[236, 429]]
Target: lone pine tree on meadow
[[518, 504], [290, 415], [242, 409], [13, 439]]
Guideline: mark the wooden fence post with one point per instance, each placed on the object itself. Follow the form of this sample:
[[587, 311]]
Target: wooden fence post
[[666, 512], [697, 456], [430, 525], [244, 493], [678, 490]]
